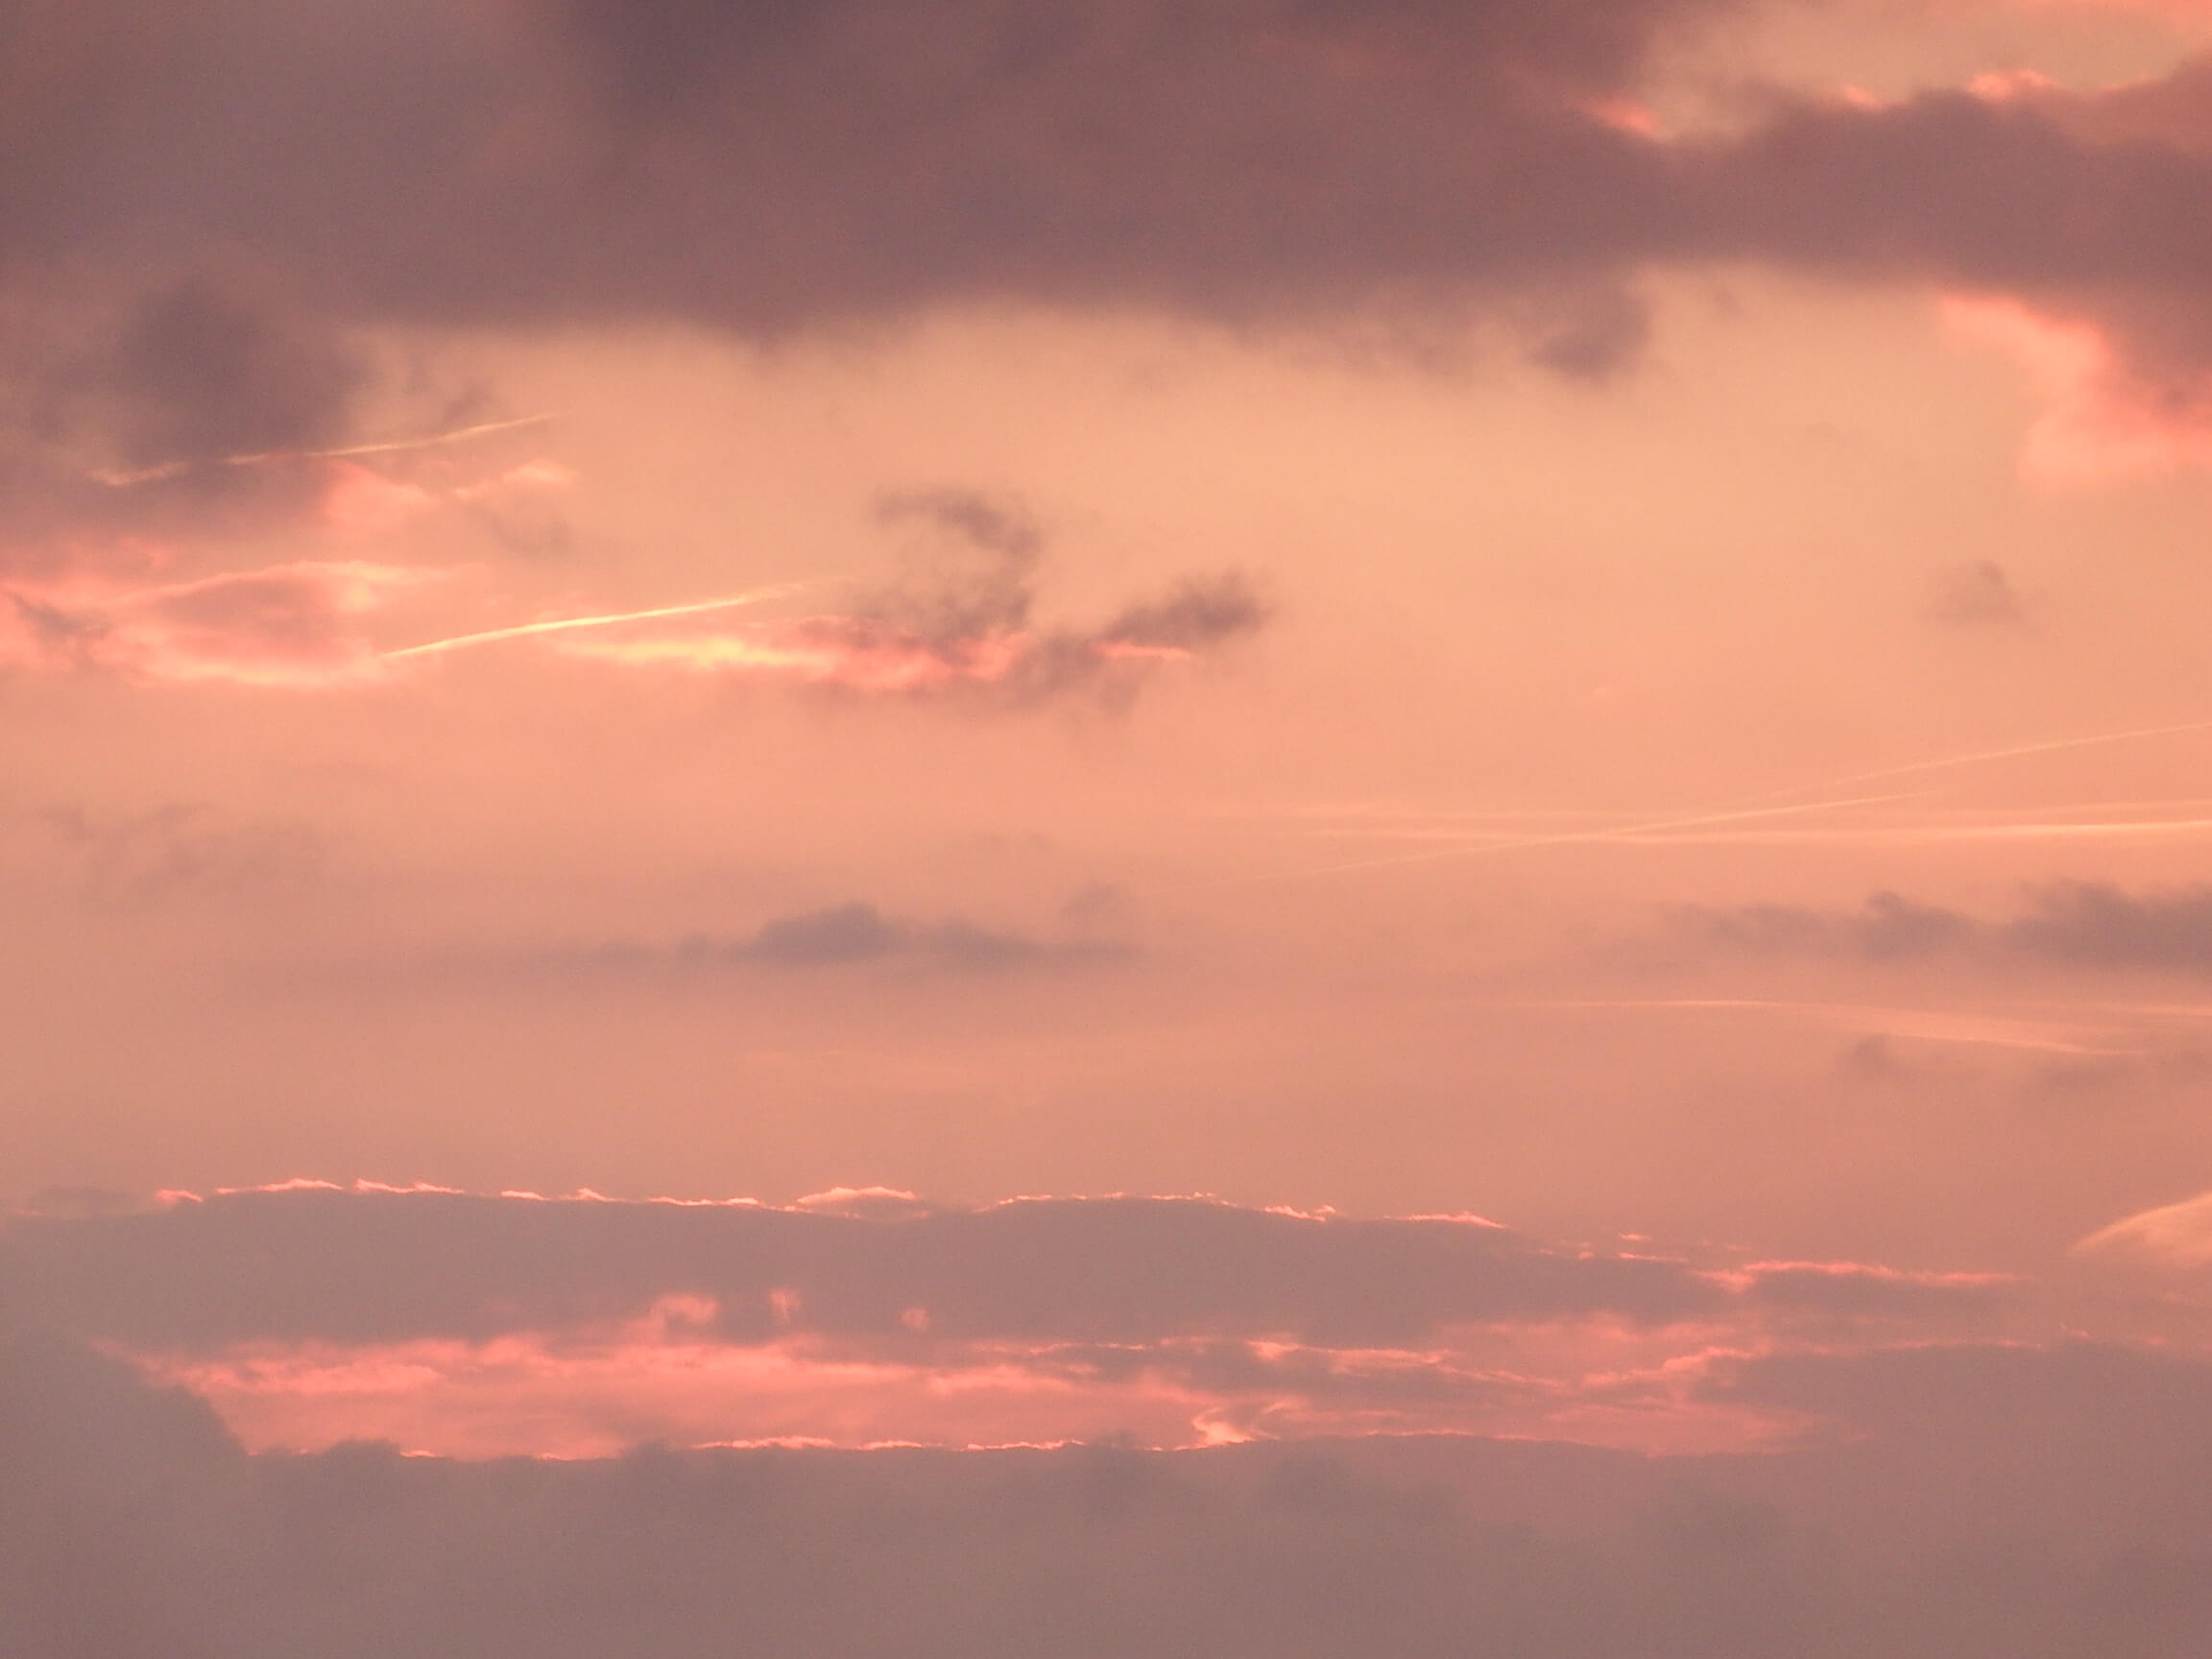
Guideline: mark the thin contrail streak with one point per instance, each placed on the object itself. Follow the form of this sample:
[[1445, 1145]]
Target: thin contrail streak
[[1983, 756], [1616, 833], [1562, 838], [391, 446], [1926, 1025], [522, 630], [1891, 835]]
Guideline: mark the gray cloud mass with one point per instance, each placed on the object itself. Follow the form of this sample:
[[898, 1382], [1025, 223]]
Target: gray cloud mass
[[2069, 1522], [2083, 923], [350, 1266], [203, 204]]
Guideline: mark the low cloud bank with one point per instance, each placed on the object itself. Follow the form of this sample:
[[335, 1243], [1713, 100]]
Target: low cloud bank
[[129, 1527]]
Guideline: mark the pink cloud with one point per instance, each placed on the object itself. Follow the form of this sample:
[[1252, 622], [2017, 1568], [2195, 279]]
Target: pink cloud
[[292, 626], [816, 650], [2102, 419], [665, 1377], [2170, 1236]]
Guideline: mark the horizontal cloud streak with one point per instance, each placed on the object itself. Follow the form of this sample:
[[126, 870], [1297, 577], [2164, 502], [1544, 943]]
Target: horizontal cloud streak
[[483, 1327], [849, 935], [2084, 924], [353, 1267]]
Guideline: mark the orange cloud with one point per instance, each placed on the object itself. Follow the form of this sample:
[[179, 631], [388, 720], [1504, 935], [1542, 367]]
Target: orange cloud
[[2102, 420], [293, 626], [665, 1378]]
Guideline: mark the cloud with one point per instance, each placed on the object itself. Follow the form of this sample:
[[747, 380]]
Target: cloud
[[198, 373], [959, 622], [2169, 1236], [1990, 1504], [186, 847], [356, 1266], [2099, 925], [2085, 924], [294, 625], [308, 1314], [1889, 927], [861, 933], [1976, 596], [764, 170], [856, 934]]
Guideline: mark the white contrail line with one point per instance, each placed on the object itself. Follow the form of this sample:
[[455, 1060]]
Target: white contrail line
[[1561, 839], [1879, 835], [1983, 756], [1922, 1024], [122, 479], [1628, 833], [522, 630]]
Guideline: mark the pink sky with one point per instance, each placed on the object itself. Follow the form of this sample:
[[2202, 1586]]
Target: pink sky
[[1304, 647]]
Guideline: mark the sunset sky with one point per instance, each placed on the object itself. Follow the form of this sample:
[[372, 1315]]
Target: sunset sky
[[977, 724]]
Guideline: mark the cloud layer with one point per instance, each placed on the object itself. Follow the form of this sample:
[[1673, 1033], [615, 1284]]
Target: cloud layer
[[2079, 923], [204, 205], [2066, 1518], [487, 1326]]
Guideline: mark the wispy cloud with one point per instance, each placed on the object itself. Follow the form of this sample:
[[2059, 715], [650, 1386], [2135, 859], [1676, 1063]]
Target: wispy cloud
[[853, 934], [2080, 924]]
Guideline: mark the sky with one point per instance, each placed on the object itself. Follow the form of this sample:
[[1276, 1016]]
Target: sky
[[1272, 788]]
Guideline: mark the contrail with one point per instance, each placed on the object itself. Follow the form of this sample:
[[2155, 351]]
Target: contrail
[[122, 479], [1561, 839], [1983, 756], [1892, 835], [1926, 1025], [1619, 831], [522, 630]]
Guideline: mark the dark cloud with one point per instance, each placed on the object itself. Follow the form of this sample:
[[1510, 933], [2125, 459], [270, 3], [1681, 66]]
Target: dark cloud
[[200, 375], [1600, 339], [843, 935], [2101, 925], [1887, 928], [1200, 612], [1000, 527], [2086, 924], [1976, 596], [960, 619], [372, 1266], [203, 202], [2062, 1515]]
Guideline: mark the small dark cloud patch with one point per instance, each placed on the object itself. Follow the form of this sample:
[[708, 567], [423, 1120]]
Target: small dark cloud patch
[[1976, 596], [1887, 928], [842, 933], [1601, 339], [1099, 910], [859, 934], [2099, 925], [961, 620], [1198, 612], [183, 847], [999, 527], [2084, 924]]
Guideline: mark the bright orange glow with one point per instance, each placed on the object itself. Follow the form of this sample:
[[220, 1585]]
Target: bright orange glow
[[661, 1377]]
